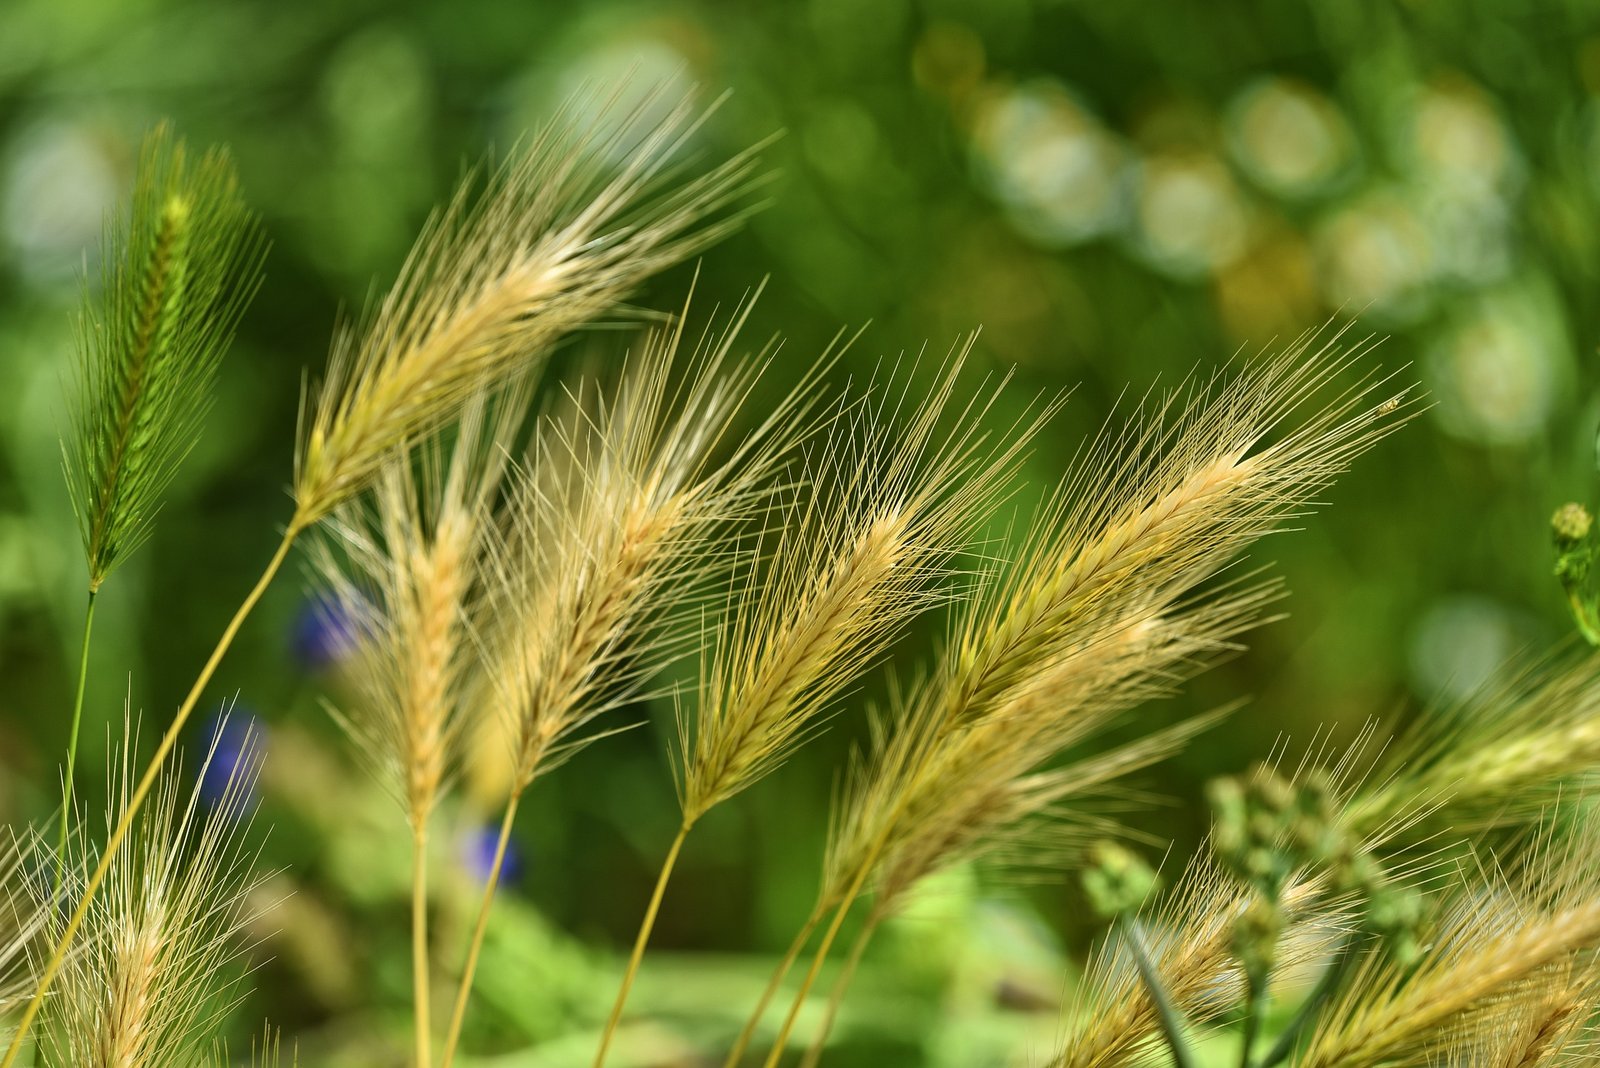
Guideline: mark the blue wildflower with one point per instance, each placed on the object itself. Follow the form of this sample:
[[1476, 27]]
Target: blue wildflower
[[477, 855], [326, 631], [230, 758]]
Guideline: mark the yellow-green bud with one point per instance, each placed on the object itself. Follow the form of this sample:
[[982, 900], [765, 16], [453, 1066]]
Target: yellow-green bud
[[1571, 524]]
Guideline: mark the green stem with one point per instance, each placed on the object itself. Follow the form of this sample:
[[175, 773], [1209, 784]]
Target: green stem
[[1583, 616], [817, 959], [1326, 984], [469, 969], [58, 954], [1256, 981], [1166, 1012], [72, 750], [645, 927]]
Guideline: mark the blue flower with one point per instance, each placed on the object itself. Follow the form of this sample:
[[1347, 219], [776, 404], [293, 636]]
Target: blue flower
[[230, 758], [325, 632], [477, 855]]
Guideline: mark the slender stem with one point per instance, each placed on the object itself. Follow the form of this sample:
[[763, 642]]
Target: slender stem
[[419, 945], [645, 927], [1255, 1008], [464, 992], [773, 983], [125, 822], [840, 986], [849, 898], [1167, 1014], [1583, 616], [1326, 985], [72, 749]]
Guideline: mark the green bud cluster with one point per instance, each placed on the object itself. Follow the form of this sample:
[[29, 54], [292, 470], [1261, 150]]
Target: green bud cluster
[[1572, 530], [1268, 828], [1117, 880]]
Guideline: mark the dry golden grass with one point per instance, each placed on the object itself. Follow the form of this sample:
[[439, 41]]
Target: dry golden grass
[[1507, 947], [615, 532], [1099, 613], [873, 544], [554, 239], [146, 984]]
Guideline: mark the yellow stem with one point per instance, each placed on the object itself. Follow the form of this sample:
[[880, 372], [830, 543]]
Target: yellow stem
[[848, 899], [840, 986], [643, 939], [59, 953], [419, 945], [773, 983], [464, 992]]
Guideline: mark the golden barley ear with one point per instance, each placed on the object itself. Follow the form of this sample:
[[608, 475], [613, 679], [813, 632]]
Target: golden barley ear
[[150, 978], [1105, 607], [1506, 756], [1512, 943], [176, 274], [874, 539], [555, 238], [614, 534], [408, 571]]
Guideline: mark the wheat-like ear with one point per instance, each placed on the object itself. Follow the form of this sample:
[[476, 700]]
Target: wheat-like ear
[[1502, 758], [556, 238], [150, 979], [1549, 1025], [614, 532], [1507, 946], [410, 569], [1097, 614], [177, 271], [1093, 617], [987, 792], [412, 572], [614, 529], [874, 543]]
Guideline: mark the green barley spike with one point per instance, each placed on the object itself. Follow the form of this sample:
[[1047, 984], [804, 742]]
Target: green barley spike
[[178, 270]]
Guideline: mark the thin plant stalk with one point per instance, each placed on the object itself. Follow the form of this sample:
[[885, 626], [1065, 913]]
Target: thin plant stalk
[[840, 987], [806, 931], [817, 959], [419, 945], [72, 744], [646, 925], [470, 968], [58, 953]]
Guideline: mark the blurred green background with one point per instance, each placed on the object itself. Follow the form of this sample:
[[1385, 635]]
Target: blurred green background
[[1116, 193]]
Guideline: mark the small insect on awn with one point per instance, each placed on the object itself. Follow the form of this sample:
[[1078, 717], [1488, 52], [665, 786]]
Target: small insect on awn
[[1389, 406]]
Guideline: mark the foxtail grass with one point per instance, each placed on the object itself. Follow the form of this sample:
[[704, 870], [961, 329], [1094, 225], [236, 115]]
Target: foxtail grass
[[411, 572], [874, 544], [613, 536], [1094, 617], [177, 271], [554, 241], [150, 978]]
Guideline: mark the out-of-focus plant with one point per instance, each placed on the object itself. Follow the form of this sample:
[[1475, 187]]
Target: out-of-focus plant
[[525, 584]]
